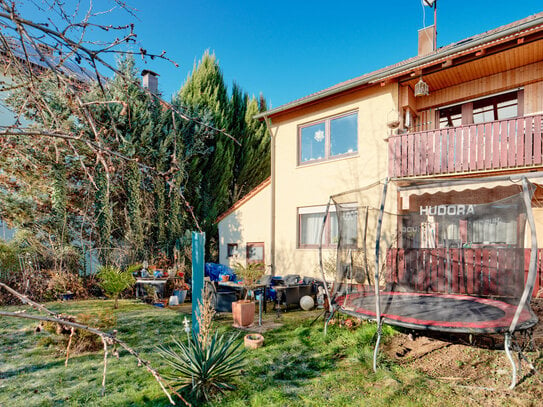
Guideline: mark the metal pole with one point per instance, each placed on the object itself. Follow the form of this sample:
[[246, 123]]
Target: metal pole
[[376, 274], [260, 308], [530, 279], [321, 264], [507, 346], [198, 262]]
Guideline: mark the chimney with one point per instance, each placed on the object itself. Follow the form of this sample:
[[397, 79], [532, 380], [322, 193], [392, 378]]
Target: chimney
[[150, 81], [427, 40]]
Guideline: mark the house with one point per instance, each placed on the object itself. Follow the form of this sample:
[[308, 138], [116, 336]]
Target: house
[[244, 229], [469, 109]]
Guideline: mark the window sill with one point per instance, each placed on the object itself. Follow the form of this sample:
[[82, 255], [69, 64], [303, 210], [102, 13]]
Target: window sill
[[327, 160], [315, 247]]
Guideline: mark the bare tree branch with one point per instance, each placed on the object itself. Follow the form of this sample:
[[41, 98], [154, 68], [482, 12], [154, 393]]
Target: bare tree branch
[[107, 338]]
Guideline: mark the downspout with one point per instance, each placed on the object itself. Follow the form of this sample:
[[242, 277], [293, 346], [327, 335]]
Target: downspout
[[272, 182]]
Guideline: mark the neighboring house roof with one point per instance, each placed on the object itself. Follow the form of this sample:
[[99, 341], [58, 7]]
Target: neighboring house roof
[[246, 198], [471, 44], [67, 66]]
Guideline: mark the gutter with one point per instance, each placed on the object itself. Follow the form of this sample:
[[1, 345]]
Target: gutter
[[370, 78], [272, 182]]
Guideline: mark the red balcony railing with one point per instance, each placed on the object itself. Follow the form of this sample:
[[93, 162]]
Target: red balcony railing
[[483, 272], [513, 143]]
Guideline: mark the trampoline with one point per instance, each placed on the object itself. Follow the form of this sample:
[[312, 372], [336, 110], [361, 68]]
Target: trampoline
[[439, 312], [443, 255]]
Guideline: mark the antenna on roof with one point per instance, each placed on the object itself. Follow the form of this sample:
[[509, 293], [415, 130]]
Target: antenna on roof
[[433, 4]]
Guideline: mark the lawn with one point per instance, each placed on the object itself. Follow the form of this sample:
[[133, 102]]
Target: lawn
[[298, 366]]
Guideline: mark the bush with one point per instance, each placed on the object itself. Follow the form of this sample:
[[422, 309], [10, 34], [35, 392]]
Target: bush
[[9, 262], [63, 282], [114, 281], [82, 341], [92, 286], [35, 287]]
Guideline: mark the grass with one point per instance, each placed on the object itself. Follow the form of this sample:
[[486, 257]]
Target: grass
[[298, 366]]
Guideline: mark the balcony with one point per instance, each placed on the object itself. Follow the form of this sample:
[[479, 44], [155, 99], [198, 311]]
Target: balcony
[[492, 146]]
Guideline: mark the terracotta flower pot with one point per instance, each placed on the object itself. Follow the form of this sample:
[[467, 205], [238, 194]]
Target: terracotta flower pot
[[243, 312], [253, 341]]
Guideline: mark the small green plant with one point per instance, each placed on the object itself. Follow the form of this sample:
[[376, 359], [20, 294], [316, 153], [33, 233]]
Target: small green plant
[[114, 281], [134, 268], [250, 274], [204, 369]]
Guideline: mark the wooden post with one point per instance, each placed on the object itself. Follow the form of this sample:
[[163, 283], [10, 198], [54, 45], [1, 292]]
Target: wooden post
[[198, 262]]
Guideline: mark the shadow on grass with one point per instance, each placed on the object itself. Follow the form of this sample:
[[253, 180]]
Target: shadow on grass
[[293, 361], [30, 369]]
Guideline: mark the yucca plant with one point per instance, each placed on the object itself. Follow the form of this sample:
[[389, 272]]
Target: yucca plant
[[204, 370]]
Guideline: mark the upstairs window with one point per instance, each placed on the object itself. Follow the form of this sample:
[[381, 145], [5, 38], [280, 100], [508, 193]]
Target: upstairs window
[[450, 116], [330, 138], [497, 107]]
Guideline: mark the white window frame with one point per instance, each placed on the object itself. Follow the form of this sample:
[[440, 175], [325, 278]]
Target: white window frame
[[327, 235], [327, 139]]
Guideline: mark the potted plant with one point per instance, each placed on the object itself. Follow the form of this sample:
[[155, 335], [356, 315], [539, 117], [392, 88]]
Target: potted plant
[[243, 311], [180, 288]]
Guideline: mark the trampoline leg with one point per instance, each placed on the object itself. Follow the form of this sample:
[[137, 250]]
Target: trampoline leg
[[376, 350], [332, 312], [507, 345]]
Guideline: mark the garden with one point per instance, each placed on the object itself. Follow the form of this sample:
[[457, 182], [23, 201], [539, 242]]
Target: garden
[[102, 182], [297, 366]]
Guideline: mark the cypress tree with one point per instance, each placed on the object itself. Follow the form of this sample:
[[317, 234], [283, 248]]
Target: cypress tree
[[205, 90], [255, 160], [133, 204]]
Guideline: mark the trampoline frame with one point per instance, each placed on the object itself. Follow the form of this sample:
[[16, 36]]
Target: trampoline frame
[[380, 318]]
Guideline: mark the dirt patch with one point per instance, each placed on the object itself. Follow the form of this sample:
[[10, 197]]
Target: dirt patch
[[474, 363]]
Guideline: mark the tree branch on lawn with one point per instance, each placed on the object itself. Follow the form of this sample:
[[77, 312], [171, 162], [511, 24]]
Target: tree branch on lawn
[[107, 339]]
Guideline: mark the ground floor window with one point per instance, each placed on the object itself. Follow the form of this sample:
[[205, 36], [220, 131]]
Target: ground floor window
[[310, 222], [232, 249], [464, 225], [255, 252]]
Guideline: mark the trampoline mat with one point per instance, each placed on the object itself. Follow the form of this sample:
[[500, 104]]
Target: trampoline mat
[[443, 312]]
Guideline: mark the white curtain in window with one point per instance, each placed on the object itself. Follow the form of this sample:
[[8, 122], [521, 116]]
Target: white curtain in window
[[349, 231], [310, 225], [494, 231]]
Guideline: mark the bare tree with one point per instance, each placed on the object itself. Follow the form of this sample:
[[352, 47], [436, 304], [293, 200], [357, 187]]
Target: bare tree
[[72, 49], [61, 49]]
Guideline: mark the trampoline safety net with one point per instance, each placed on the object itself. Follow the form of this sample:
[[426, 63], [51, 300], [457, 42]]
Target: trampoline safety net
[[450, 255]]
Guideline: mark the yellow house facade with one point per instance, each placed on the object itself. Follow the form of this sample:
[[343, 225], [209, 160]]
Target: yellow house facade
[[302, 184], [244, 230], [469, 109]]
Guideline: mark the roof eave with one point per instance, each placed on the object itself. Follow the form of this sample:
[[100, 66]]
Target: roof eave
[[389, 73]]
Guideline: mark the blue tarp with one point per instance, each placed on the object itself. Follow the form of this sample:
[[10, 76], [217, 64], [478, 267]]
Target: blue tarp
[[214, 271]]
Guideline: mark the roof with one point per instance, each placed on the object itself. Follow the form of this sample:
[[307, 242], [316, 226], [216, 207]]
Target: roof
[[67, 66], [148, 71], [516, 28], [245, 199]]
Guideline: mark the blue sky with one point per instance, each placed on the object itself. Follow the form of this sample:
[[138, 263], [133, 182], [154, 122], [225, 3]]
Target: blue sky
[[288, 49]]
